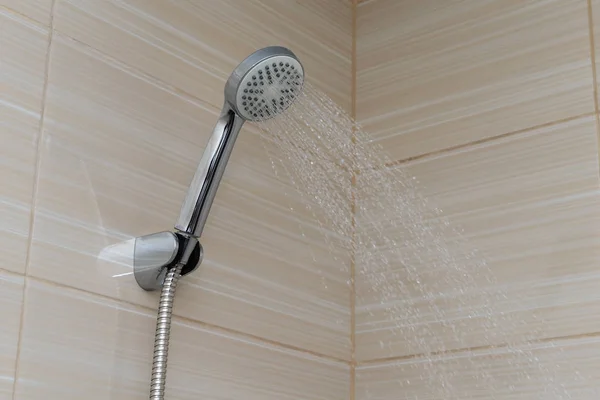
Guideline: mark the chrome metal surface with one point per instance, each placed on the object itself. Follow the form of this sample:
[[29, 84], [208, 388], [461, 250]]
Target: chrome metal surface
[[151, 255], [265, 83], [196, 206], [161, 259], [203, 188], [163, 332], [190, 253]]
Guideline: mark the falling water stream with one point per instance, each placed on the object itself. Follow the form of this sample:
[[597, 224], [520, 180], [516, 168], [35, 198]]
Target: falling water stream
[[451, 330]]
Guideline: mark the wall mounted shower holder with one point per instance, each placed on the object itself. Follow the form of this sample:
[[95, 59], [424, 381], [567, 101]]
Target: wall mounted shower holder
[[154, 254], [261, 87]]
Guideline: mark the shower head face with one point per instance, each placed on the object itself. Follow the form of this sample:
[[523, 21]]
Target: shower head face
[[265, 84]]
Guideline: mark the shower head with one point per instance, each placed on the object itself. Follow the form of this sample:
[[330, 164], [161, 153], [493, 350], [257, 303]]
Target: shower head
[[261, 87], [265, 83]]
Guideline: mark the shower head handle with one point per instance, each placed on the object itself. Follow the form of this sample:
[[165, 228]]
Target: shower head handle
[[203, 188], [261, 87]]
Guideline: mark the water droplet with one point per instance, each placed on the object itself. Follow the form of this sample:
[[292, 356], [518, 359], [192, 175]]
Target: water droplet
[[418, 272]]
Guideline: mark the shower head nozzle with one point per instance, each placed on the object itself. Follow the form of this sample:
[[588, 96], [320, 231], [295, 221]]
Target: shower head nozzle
[[265, 83]]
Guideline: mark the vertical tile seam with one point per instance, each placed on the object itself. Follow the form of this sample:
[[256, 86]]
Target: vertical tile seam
[[402, 161], [34, 193], [594, 74], [425, 155], [39, 143], [353, 211]]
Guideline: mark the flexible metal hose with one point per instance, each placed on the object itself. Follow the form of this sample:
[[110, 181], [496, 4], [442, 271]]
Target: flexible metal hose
[[163, 330]]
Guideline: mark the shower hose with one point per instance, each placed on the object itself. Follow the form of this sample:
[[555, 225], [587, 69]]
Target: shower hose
[[163, 330]]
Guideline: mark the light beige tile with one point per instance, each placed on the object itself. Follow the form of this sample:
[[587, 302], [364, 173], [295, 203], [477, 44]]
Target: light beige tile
[[529, 205], [119, 151], [556, 370], [38, 10], [195, 45], [22, 63], [435, 74], [78, 345], [11, 301], [595, 7]]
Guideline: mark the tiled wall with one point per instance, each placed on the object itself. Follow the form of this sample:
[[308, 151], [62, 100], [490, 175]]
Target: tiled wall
[[105, 107], [491, 105]]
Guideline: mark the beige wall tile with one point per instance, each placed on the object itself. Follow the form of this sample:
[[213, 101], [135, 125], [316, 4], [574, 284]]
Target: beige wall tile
[[529, 203], [22, 66], [78, 345], [595, 8], [195, 45], [39, 10], [134, 91], [556, 370], [119, 151], [435, 74], [11, 301]]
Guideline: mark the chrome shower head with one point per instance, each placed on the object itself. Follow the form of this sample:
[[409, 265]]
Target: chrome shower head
[[265, 83], [262, 86]]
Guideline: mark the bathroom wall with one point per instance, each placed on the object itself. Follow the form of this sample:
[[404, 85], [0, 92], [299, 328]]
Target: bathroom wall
[[491, 105], [105, 107]]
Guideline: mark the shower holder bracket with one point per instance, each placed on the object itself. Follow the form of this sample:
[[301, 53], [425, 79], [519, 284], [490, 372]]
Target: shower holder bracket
[[154, 254]]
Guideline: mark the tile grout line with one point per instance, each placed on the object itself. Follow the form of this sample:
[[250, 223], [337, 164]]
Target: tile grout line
[[208, 325], [260, 339], [474, 143], [52, 31], [594, 74], [22, 16], [476, 348], [137, 72], [353, 211], [36, 177], [487, 140]]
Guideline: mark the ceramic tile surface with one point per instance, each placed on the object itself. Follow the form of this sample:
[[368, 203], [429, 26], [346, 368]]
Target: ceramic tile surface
[[134, 90], [195, 45], [119, 150], [22, 64], [563, 369], [529, 204], [435, 74], [38, 10], [595, 8], [11, 299], [77, 345]]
